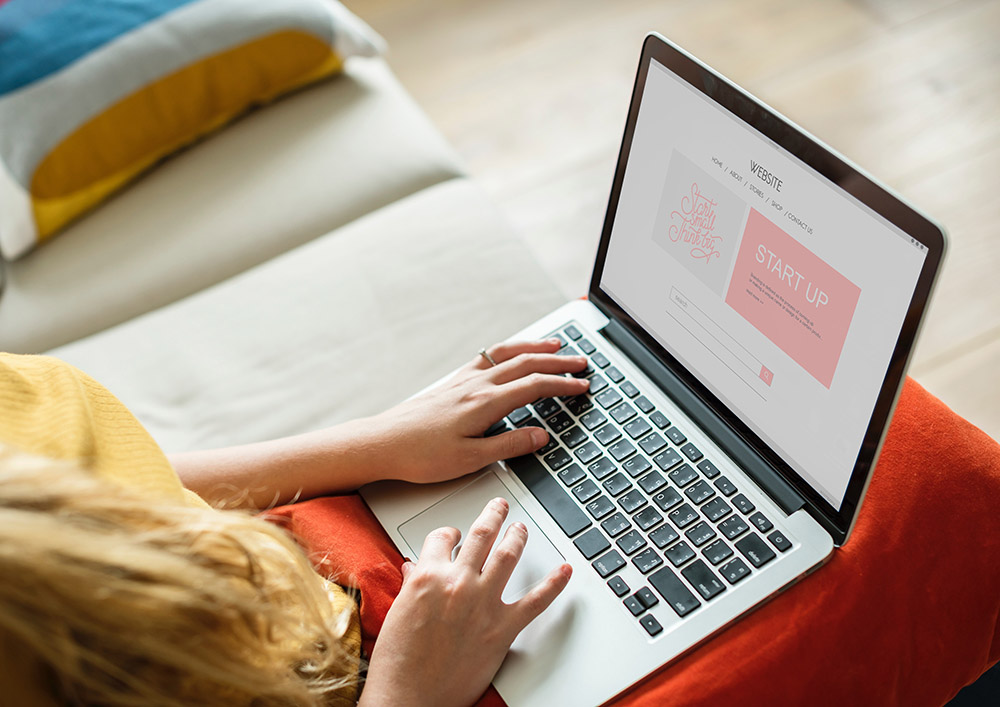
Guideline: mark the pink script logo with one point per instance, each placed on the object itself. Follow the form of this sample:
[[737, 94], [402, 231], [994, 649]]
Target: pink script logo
[[697, 221]]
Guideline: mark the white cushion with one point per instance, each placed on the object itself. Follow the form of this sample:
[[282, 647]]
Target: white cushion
[[341, 327], [280, 177]]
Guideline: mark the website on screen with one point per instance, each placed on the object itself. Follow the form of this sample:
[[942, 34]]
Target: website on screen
[[781, 293]]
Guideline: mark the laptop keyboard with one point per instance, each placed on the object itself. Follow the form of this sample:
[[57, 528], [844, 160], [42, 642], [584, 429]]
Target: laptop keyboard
[[629, 487]]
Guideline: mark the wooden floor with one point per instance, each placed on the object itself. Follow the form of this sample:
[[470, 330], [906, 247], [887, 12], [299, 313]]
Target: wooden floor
[[533, 94]]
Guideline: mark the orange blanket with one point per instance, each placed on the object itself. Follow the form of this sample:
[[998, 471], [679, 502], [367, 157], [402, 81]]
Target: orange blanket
[[907, 613]]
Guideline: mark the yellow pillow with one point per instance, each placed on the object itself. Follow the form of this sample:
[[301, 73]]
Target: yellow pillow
[[94, 92]]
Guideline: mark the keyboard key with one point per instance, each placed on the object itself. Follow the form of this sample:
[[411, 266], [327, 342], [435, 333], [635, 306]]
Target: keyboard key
[[716, 552], [573, 437], [651, 625], [667, 499], [733, 528], [630, 542], [734, 571], [623, 413], [779, 541], [607, 434], [708, 468], [600, 360], [646, 596], [716, 509], [597, 384], [700, 534], [667, 459], [609, 563], [761, 522], [725, 486], [672, 589], [546, 407], [676, 436], [632, 501], [609, 398], [691, 452], [586, 491], [743, 503], [518, 416], [652, 482], [496, 428], [703, 580], [558, 459], [629, 389], [659, 419], [617, 484], [585, 346], [531, 421], [592, 543], [637, 428], [683, 475], [683, 516], [593, 419], [579, 404], [699, 492], [633, 604], [615, 375], [571, 474], [653, 443], [663, 536], [560, 422], [636, 465], [587, 452], [679, 553], [615, 524], [647, 518], [585, 373], [602, 468], [621, 450], [567, 351], [642, 402], [572, 332], [618, 586], [553, 443], [647, 560], [754, 549], [558, 337], [550, 494], [600, 507]]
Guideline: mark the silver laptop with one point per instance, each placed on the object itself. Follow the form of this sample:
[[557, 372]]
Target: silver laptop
[[753, 306]]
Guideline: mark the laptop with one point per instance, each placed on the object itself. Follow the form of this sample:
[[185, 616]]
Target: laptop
[[752, 310]]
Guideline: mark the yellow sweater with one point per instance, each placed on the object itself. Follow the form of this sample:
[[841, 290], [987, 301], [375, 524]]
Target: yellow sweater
[[49, 408]]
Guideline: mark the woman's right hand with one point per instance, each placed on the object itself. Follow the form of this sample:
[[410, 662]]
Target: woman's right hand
[[448, 631]]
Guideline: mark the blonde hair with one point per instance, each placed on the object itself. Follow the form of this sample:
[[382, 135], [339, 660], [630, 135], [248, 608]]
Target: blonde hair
[[120, 599]]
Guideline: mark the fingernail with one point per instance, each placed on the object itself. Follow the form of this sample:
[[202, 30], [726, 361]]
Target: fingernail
[[500, 503], [520, 526], [567, 570], [539, 437], [553, 341]]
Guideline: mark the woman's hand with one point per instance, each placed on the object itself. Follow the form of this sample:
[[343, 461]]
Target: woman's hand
[[448, 631], [434, 437], [438, 435]]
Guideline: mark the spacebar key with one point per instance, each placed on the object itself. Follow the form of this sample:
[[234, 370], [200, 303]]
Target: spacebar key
[[550, 494]]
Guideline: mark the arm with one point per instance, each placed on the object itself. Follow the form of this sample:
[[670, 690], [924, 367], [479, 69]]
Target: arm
[[434, 437]]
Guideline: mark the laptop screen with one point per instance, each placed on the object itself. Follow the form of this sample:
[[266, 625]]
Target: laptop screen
[[781, 293]]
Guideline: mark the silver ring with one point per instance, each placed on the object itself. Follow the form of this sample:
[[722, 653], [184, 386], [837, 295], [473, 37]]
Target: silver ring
[[486, 354]]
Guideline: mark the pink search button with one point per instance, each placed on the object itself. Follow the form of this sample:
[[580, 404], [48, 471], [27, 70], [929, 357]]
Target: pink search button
[[766, 375]]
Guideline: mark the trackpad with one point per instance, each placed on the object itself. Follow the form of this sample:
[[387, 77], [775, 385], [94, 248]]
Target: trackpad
[[461, 508]]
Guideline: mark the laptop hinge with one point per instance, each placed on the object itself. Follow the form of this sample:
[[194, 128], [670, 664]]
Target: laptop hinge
[[711, 423]]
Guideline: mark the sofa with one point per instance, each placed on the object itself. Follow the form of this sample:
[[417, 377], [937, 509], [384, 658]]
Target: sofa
[[319, 260]]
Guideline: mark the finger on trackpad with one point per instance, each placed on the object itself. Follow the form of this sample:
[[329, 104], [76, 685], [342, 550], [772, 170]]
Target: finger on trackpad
[[461, 508]]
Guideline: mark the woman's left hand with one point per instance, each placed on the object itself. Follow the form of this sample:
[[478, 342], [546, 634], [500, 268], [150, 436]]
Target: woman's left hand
[[438, 435]]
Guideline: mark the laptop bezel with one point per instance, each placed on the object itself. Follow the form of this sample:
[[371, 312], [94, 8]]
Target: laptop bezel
[[841, 172]]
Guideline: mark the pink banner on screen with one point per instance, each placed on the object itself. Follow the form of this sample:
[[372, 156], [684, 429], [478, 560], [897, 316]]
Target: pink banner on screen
[[792, 297]]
